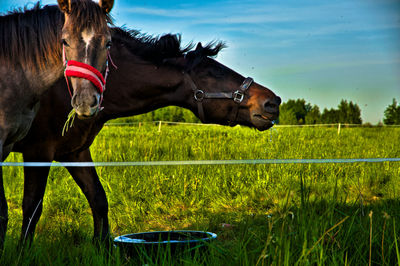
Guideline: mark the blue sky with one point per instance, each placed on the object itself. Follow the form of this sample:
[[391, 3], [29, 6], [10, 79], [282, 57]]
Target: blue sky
[[322, 51]]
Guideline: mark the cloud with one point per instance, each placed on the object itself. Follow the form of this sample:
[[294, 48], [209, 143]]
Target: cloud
[[308, 67], [326, 18], [171, 13], [234, 14]]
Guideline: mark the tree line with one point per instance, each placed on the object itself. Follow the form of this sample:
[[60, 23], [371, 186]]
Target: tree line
[[292, 112], [299, 112]]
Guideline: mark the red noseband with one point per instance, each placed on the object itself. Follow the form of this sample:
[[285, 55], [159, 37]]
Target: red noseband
[[82, 70]]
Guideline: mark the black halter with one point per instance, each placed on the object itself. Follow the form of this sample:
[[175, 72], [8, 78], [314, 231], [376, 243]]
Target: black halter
[[237, 96]]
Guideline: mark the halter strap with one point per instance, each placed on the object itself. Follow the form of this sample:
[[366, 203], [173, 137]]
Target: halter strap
[[81, 70], [237, 96]]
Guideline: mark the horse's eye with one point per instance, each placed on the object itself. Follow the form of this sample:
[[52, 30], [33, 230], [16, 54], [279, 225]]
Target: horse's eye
[[108, 45], [64, 42]]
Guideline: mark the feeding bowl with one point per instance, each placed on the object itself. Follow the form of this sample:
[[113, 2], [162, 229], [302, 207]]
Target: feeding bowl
[[175, 241]]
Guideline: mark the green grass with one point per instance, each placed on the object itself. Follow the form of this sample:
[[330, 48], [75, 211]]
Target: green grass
[[282, 214]]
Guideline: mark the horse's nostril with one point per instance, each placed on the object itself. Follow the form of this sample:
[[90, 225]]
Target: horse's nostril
[[95, 101], [272, 105], [269, 105]]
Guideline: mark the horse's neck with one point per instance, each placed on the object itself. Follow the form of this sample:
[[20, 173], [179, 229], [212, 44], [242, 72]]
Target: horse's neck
[[139, 94], [138, 86]]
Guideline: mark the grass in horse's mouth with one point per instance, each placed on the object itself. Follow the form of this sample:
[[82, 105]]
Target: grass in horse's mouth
[[70, 121]]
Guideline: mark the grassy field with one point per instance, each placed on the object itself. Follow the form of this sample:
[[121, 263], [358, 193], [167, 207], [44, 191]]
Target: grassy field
[[278, 214]]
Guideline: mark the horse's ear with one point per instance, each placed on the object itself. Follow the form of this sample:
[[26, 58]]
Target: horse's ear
[[65, 6], [106, 5], [194, 57], [191, 60], [199, 47]]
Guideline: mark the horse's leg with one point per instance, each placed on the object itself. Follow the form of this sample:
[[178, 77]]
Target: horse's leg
[[35, 179], [3, 203], [34, 187], [88, 181]]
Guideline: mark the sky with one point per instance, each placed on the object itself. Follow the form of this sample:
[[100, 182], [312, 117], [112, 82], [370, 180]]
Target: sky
[[321, 51]]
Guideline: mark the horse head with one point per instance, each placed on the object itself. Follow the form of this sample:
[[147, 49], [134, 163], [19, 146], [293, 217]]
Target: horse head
[[86, 40], [221, 95]]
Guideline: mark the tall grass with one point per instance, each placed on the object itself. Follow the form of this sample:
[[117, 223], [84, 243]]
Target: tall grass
[[263, 214]]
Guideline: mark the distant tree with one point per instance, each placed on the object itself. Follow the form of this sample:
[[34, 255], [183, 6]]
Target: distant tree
[[299, 112], [329, 116], [170, 113], [392, 114], [297, 107], [177, 115], [354, 114], [287, 117], [313, 116], [343, 112], [347, 112]]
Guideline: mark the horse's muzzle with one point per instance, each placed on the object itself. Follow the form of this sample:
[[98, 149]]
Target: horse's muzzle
[[86, 107]]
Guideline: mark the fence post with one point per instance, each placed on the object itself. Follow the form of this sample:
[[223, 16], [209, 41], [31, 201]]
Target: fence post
[[159, 126], [338, 129]]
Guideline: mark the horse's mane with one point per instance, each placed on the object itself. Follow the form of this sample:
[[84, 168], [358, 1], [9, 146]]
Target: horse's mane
[[32, 37], [155, 48]]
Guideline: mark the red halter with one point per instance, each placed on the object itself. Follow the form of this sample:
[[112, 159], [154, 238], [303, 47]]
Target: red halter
[[81, 70]]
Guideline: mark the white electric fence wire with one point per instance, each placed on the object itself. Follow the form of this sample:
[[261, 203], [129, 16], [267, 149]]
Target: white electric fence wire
[[201, 162]]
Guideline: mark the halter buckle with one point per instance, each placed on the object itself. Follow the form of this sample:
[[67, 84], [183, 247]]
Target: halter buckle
[[199, 95], [238, 96]]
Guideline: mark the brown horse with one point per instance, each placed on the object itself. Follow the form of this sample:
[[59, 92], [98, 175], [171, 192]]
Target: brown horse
[[151, 73], [31, 53]]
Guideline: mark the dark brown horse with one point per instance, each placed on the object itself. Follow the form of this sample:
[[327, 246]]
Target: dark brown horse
[[151, 73], [31, 53]]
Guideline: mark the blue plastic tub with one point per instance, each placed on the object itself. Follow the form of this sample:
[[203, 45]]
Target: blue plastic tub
[[174, 241]]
